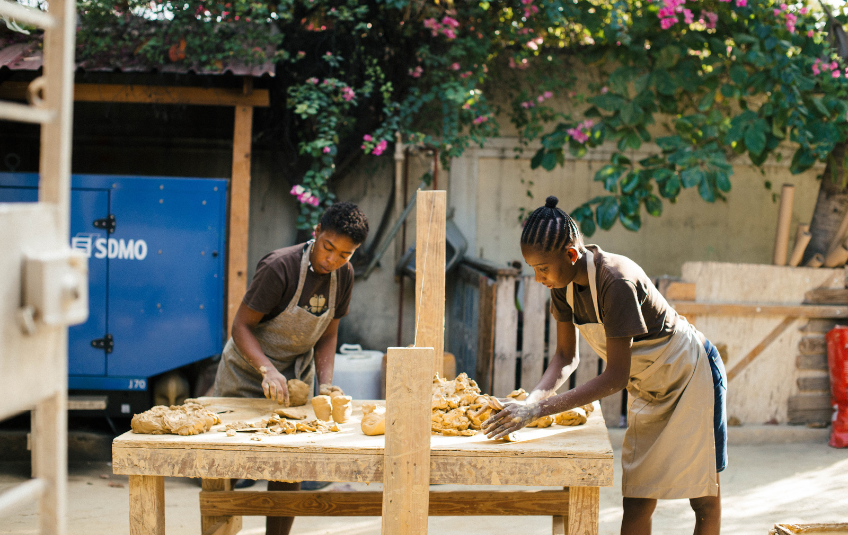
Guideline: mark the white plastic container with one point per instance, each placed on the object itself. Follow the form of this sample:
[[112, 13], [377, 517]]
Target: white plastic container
[[357, 371]]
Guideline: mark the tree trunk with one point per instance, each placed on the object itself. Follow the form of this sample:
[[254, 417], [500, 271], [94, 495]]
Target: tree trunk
[[831, 206]]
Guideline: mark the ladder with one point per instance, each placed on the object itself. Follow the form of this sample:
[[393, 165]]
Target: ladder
[[43, 283]]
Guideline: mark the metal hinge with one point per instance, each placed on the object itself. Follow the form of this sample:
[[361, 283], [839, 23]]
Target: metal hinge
[[106, 343], [108, 223]]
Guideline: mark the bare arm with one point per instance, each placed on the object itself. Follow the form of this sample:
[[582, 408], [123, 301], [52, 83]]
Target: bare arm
[[325, 353], [614, 378], [562, 364], [273, 382]]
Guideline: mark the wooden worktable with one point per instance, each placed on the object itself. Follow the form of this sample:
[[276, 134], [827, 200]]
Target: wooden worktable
[[577, 458]]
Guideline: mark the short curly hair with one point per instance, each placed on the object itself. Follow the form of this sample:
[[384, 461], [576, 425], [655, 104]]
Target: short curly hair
[[346, 218]]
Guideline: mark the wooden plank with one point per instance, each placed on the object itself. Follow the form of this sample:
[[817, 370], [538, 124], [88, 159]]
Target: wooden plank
[[819, 326], [150, 94], [680, 291], [813, 345], [811, 362], [50, 455], [406, 477], [807, 402], [812, 416], [814, 384], [752, 309], [222, 523], [147, 505], [759, 348], [369, 503], [506, 337], [827, 296], [431, 213], [559, 525], [784, 222], [239, 213], [583, 510], [533, 333], [485, 333]]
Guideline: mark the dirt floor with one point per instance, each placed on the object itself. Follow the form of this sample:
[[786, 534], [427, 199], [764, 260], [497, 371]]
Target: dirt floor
[[764, 484]]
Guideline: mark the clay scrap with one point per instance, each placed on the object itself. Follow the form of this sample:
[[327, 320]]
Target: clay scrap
[[298, 392], [190, 418], [322, 407], [342, 407], [373, 419], [276, 425], [291, 414]]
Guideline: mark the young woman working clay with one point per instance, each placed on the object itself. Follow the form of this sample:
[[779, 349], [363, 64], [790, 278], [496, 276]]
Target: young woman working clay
[[676, 442], [287, 325]]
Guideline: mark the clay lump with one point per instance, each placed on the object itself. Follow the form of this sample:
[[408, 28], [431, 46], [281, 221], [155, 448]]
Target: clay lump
[[190, 418]]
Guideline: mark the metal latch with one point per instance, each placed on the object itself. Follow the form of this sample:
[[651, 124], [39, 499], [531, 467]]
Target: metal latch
[[106, 343], [108, 223]]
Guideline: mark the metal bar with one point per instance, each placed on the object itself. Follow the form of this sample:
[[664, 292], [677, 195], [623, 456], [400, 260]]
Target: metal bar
[[392, 233], [26, 15], [24, 113], [22, 494]]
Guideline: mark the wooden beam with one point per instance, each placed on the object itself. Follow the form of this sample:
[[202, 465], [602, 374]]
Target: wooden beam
[[752, 309], [827, 296], [759, 348], [50, 458], [406, 474], [506, 337], [147, 505], [223, 523], [533, 333], [151, 94], [431, 219], [485, 333], [239, 216], [369, 503], [583, 509]]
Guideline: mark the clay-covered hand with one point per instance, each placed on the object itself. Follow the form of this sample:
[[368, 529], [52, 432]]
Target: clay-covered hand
[[325, 389], [274, 385], [513, 417], [536, 396]]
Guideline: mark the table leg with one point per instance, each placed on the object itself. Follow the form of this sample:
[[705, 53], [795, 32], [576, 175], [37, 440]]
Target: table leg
[[147, 505], [219, 525], [559, 525], [583, 510]]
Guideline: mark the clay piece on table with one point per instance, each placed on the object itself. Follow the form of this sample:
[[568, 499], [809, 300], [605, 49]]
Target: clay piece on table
[[458, 407], [576, 416], [373, 419], [518, 395], [342, 408], [544, 421], [298, 392], [190, 418], [291, 414], [323, 407], [276, 425]]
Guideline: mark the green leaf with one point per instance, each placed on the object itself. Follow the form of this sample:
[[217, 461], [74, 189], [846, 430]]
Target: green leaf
[[707, 101], [692, 176], [631, 114], [630, 183], [607, 171], [664, 82], [668, 57], [576, 149], [755, 136], [608, 101], [536, 161], [819, 106], [670, 189], [722, 181], [706, 191], [670, 143], [549, 161], [587, 226], [607, 213], [632, 223], [653, 205], [801, 161], [621, 77]]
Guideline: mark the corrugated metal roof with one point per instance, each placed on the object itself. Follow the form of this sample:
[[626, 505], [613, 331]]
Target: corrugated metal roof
[[28, 57]]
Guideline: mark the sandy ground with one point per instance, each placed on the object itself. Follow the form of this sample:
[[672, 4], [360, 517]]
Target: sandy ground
[[799, 482]]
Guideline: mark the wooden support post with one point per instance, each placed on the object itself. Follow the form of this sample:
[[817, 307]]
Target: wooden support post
[[560, 523], [147, 505], [431, 208], [784, 220], [239, 220], [506, 337], [222, 524], [406, 468], [485, 333], [583, 509], [50, 457], [533, 333]]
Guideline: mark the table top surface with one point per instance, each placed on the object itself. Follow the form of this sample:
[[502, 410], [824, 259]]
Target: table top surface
[[588, 441]]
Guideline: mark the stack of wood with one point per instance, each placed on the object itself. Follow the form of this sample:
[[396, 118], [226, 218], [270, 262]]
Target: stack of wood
[[837, 251]]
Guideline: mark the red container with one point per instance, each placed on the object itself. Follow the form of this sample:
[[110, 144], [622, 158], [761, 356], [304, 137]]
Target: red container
[[837, 360]]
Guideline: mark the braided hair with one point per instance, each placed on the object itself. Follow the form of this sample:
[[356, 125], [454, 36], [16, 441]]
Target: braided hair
[[346, 218], [551, 229]]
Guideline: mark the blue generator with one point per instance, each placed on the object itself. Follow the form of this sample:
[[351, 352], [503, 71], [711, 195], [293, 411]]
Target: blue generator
[[156, 249]]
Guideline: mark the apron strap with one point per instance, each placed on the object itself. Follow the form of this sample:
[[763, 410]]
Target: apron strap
[[593, 285], [304, 265]]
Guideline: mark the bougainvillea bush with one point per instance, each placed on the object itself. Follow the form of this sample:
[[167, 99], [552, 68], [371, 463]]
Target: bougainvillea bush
[[724, 79]]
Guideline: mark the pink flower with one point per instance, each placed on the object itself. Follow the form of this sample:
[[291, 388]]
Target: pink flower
[[803, 10], [449, 33], [668, 23], [381, 146], [810, 33], [712, 18], [313, 80], [834, 65], [367, 137], [297, 190], [577, 135], [527, 105], [448, 21], [783, 7], [741, 3], [776, 12], [836, 74], [327, 150], [348, 94], [481, 119], [604, 90], [328, 53], [688, 17], [525, 2], [547, 94], [455, 66], [816, 69], [314, 201], [300, 54], [588, 123], [466, 74], [416, 72]]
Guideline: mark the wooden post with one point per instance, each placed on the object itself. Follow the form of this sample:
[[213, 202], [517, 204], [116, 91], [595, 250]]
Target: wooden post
[[50, 456], [239, 220], [583, 509], [506, 337], [147, 505], [219, 525], [431, 209], [533, 333], [406, 468], [784, 220]]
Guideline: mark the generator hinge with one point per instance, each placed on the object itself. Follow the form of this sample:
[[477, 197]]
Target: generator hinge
[[106, 343], [108, 223]]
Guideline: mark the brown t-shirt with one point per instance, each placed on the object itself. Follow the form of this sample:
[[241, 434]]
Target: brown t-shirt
[[275, 284], [629, 303]]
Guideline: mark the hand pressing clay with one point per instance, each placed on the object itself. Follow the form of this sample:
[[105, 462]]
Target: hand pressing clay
[[518, 395], [327, 390], [544, 421], [291, 414], [322, 407], [190, 418], [298, 392], [342, 408], [373, 419]]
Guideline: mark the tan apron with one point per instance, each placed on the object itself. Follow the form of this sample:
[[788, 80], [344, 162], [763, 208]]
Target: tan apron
[[669, 446], [288, 341]]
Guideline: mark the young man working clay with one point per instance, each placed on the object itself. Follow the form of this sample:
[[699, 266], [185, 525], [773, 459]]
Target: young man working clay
[[287, 325], [676, 442]]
